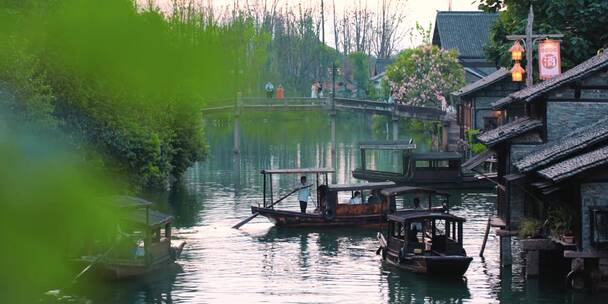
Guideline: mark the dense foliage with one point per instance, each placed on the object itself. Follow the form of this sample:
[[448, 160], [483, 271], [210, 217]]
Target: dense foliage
[[359, 72], [423, 76], [123, 81], [582, 22]]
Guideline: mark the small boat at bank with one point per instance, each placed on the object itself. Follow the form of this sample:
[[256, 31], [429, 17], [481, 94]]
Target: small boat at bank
[[439, 170], [329, 211], [141, 243], [424, 241]]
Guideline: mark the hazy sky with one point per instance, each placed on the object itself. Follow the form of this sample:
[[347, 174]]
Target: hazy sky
[[421, 11]]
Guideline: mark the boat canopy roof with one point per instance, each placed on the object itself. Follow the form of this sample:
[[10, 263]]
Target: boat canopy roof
[[406, 189], [412, 216], [125, 201], [138, 209], [361, 186], [155, 218], [387, 145], [437, 156], [297, 171]]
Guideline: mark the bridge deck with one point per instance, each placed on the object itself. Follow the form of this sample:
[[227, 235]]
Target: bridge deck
[[341, 104]]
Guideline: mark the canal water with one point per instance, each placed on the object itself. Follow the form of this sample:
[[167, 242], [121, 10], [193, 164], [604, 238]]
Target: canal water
[[263, 264]]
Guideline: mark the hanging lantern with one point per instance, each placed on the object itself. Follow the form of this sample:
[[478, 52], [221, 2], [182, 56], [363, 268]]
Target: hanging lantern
[[517, 72], [516, 51]]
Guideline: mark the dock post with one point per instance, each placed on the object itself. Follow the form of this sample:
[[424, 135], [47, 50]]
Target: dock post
[[334, 158], [506, 258], [237, 123], [395, 128]]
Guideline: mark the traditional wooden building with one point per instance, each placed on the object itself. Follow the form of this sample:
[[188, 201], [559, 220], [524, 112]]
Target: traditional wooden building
[[475, 100], [466, 32], [553, 168]]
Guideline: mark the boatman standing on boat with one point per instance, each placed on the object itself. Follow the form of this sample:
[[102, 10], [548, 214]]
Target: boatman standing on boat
[[416, 227], [303, 194]]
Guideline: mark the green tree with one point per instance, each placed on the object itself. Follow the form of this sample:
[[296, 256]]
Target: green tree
[[582, 22], [124, 81], [423, 76], [359, 63]]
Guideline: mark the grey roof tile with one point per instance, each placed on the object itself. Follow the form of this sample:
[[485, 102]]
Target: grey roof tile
[[577, 140], [528, 94], [465, 31], [482, 83], [576, 165], [509, 130]]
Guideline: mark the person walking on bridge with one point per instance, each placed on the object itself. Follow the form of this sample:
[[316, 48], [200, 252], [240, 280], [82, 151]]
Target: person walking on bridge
[[314, 90], [280, 92], [269, 88]]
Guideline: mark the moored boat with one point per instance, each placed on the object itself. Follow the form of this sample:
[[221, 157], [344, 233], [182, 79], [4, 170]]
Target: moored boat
[[141, 243], [424, 241], [439, 170]]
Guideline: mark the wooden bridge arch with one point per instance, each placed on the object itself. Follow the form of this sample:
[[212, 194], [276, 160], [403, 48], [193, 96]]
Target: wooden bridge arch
[[339, 105], [331, 104]]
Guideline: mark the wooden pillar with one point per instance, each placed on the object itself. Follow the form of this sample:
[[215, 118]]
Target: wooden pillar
[[506, 258], [445, 127], [334, 153], [237, 124], [395, 127]]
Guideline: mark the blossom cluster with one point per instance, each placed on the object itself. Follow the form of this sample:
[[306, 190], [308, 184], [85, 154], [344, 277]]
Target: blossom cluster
[[425, 75]]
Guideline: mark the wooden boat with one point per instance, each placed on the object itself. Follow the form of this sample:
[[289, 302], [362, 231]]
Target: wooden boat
[[141, 243], [329, 211], [435, 249], [439, 170]]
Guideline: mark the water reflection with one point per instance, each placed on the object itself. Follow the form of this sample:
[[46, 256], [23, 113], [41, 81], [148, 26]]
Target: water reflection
[[263, 263], [406, 287]]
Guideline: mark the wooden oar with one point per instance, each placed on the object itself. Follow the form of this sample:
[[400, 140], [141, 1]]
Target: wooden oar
[[245, 221], [95, 261]]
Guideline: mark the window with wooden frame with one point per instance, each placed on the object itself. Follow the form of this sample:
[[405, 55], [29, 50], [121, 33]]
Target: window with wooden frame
[[599, 226]]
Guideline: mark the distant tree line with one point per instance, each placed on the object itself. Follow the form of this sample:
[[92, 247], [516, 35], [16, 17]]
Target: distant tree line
[[122, 84]]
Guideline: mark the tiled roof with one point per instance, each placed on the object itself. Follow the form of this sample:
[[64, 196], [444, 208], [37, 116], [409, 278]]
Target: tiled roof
[[580, 71], [575, 165], [477, 160], [509, 130], [482, 83], [578, 140], [465, 31]]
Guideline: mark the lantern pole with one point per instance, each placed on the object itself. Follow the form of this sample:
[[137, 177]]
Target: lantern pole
[[529, 55], [530, 39]]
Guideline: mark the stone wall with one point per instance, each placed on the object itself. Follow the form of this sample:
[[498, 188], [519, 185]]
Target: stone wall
[[565, 116], [592, 194]]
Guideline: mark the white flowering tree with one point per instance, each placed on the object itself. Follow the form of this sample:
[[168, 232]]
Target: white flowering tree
[[425, 75]]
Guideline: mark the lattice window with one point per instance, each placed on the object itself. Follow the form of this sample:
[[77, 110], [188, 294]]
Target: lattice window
[[599, 226]]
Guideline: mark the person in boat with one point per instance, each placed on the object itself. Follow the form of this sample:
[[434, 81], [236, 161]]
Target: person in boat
[[375, 197], [417, 204], [322, 190], [415, 227], [303, 194], [356, 199]]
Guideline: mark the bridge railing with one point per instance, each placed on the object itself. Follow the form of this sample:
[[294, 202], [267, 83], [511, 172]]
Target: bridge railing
[[261, 101], [377, 107]]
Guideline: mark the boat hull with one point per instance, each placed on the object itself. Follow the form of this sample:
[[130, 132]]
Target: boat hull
[[452, 266], [297, 219]]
